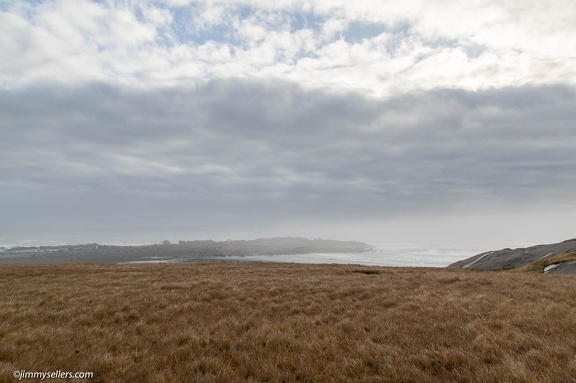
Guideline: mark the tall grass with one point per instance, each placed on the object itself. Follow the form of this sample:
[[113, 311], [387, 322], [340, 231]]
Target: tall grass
[[286, 323]]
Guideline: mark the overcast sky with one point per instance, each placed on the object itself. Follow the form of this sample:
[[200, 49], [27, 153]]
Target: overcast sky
[[136, 121]]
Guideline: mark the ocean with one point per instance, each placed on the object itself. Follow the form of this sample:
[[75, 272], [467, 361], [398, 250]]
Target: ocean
[[413, 255], [399, 255]]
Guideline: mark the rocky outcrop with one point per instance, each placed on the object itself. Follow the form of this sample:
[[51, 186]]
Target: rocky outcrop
[[540, 255]]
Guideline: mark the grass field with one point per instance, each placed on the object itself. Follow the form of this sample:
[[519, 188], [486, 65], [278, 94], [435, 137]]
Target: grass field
[[286, 323]]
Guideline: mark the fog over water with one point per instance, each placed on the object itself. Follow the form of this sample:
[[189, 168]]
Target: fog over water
[[407, 254]]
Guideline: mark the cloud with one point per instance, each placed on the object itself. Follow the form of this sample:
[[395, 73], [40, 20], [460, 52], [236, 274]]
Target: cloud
[[195, 113], [379, 48], [275, 150]]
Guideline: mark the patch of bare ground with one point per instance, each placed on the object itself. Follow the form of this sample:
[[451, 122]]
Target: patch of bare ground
[[286, 323]]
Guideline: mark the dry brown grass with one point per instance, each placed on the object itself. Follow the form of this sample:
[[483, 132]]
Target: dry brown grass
[[540, 265], [286, 323]]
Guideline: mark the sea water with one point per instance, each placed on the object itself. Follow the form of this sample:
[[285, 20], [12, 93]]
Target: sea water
[[400, 255], [412, 255]]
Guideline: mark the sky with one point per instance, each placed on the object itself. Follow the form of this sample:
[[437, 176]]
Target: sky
[[384, 121]]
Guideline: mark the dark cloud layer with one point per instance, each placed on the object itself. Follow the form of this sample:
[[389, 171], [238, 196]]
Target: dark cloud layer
[[232, 151]]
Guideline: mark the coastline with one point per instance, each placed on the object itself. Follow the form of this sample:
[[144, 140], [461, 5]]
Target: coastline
[[420, 255]]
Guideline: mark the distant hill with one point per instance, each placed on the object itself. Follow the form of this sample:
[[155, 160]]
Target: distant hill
[[183, 251], [280, 246], [556, 258]]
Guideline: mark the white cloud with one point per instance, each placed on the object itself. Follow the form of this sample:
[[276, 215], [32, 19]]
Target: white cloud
[[422, 45], [155, 16], [70, 41], [86, 23], [264, 109]]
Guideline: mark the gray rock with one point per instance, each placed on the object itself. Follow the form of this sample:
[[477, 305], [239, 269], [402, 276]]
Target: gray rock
[[514, 258], [564, 268]]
